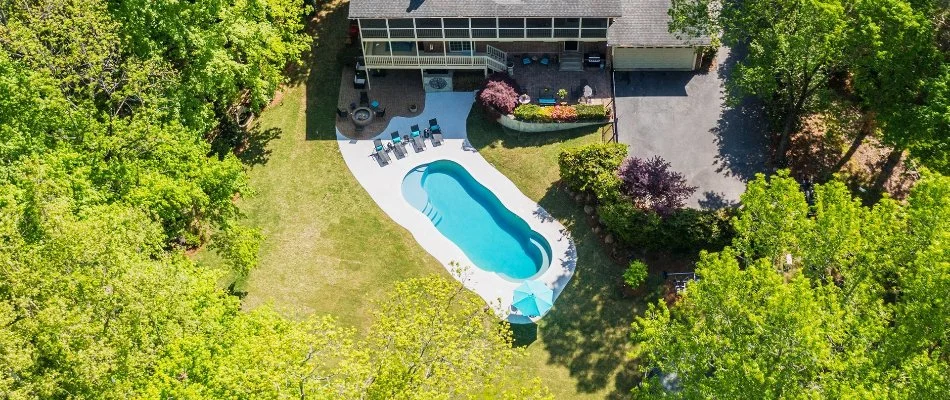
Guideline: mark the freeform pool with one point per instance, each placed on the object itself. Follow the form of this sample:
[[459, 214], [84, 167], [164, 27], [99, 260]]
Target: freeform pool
[[471, 216]]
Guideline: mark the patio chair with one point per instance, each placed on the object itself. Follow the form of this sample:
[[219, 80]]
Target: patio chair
[[545, 59], [399, 147], [418, 141], [526, 59], [341, 113], [381, 112], [381, 151], [434, 126], [364, 99]]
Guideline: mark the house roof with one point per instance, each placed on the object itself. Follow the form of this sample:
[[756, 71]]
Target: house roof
[[483, 8], [644, 24]]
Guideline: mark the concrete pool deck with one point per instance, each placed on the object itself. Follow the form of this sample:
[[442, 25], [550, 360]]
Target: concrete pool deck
[[384, 185]]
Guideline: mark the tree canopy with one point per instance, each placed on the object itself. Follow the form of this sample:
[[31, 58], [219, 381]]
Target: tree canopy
[[832, 299], [890, 49]]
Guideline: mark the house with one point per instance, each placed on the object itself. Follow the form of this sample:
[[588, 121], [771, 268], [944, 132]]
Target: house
[[438, 36]]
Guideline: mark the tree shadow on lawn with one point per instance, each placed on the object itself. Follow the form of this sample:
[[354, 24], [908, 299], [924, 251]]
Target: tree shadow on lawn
[[326, 59], [588, 329]]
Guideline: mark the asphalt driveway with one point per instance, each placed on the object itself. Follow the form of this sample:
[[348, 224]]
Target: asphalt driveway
[[682, 117]]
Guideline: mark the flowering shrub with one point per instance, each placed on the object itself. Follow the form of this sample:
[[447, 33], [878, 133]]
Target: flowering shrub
[[499, 93], [580, 112], [563, 113]]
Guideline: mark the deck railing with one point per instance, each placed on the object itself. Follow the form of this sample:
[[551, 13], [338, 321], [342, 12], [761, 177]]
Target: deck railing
[[434, 61]]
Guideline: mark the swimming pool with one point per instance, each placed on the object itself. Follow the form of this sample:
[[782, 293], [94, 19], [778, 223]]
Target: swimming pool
[[472, 217]]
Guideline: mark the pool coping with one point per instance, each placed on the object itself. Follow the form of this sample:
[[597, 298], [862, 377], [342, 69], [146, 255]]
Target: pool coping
[[384, 185]]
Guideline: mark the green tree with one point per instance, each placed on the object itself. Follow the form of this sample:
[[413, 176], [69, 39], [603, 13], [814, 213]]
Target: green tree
[[829, 300], [902, 75], [792, 47]]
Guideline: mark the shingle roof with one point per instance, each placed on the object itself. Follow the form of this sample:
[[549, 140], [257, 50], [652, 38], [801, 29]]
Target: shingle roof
[[483, 8], [644, 23]]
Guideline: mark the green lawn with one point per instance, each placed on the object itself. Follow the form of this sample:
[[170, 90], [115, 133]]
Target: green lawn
[[330, 250]]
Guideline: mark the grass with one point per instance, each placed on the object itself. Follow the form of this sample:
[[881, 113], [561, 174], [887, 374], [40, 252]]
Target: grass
[[330, 250]]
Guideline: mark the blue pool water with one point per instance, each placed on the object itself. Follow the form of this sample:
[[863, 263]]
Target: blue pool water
[[470, 215]]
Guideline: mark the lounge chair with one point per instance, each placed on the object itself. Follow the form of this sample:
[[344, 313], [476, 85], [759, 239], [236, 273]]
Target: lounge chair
[[364, 99], [399, 147], [381, 151], [436, 132], [416, 136]]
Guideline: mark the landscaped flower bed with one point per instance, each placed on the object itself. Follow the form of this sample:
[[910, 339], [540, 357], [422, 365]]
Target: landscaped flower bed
[[574, 113], [499, 94]]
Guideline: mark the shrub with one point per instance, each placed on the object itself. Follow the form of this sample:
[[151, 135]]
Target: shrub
[[633, 227], [563, 113], [531, 113], [499, 93], [635, 273], [587, 112], [689, 231], [685, 231], [651, 184], [593, 168]]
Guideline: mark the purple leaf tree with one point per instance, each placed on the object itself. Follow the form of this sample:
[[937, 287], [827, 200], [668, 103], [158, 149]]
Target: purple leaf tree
[[500, 92], [652, 185]]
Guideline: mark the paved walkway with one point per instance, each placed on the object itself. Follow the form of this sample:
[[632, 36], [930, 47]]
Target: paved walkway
[[681, 116], [384, 185]]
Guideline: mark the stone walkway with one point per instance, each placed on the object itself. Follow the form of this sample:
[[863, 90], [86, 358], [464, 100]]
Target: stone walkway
[[384, 185]]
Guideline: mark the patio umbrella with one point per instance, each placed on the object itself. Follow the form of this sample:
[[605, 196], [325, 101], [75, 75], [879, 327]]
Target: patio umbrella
[[533, 298]]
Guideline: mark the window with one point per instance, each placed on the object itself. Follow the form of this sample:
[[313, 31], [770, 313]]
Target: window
[[459, 47]]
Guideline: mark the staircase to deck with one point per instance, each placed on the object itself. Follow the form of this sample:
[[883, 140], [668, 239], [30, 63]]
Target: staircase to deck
[[571, 61]]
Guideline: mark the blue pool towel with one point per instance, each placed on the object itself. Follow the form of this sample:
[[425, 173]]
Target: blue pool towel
[[379, 148], [434, 127], [397, 140], [415, 133]]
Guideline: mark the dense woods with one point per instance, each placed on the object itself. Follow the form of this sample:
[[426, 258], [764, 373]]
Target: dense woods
[[830, 299]]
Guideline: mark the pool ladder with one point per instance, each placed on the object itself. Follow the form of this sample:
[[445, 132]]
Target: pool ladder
[[432, 213]]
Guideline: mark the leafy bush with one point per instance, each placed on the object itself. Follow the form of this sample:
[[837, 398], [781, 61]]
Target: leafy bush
[[635, 273], [632, 226], [592, 168], [651, 184], [587, 112], [500, 93], [531, 113], [685, 231], [563, 113]]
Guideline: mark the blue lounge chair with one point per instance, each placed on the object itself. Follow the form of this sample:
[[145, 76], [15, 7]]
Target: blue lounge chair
[[416, 136], [436, 132], [380, 152], [399, 146]]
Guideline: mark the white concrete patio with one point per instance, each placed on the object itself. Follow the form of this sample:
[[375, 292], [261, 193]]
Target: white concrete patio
[[383, 183]]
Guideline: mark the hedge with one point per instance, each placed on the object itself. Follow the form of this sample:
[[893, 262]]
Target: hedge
[[685, 231], [578, 112]]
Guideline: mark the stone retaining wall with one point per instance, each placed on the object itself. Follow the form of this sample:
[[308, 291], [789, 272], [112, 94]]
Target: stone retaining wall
[[521, 126]]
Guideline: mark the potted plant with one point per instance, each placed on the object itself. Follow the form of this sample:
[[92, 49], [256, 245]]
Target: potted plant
[[413, 108], [562, 94]]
